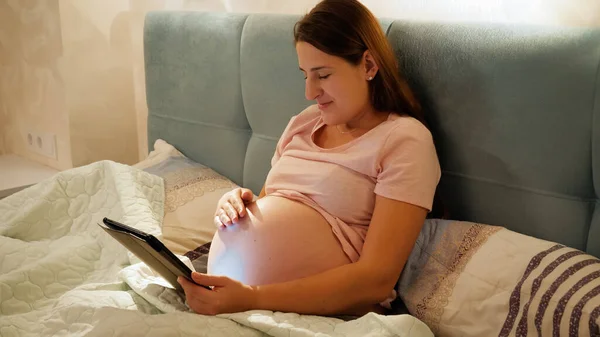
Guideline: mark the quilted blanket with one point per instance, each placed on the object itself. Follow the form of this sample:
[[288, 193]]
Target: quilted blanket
[[62, 275]]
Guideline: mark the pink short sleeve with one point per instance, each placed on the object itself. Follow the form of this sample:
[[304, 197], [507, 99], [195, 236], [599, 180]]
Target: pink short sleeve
[[283, 141], [408, 166]]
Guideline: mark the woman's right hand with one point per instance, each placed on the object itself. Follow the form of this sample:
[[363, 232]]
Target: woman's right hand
[[232, 206]]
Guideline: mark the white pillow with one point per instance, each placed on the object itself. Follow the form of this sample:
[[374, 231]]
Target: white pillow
[[192, 192]]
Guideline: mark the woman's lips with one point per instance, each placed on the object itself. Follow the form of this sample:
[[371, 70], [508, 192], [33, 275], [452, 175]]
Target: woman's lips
[[324, 105]]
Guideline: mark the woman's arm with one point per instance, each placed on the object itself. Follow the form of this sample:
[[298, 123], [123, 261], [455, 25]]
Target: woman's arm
[[392, 233]]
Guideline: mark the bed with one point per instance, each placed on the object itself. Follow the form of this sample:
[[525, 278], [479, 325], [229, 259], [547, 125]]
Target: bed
[[515, 112]]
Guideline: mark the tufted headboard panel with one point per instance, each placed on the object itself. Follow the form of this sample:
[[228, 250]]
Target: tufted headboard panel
[[514, 110]]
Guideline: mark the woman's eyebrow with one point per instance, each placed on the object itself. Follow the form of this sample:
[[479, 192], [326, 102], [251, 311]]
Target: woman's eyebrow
[[316, 68]]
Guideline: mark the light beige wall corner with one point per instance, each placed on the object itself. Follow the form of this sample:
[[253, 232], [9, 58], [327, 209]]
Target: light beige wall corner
[[97, 68], [139, 9], [2, 150], [31, 88], [2, 122], [139, 78], [2, 109]]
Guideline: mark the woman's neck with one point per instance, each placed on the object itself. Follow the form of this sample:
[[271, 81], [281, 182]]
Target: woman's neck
[[367, 119]]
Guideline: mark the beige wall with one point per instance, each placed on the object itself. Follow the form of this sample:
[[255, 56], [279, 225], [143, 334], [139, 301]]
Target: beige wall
[[2, 125], [97, 70], [2, 148], [32, 95], [75, 67]]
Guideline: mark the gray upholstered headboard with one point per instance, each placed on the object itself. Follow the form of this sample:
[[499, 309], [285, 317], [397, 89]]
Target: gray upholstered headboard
[[515, 110]]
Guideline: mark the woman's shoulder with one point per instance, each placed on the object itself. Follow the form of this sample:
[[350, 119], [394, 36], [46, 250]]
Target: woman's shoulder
[[402, 126]]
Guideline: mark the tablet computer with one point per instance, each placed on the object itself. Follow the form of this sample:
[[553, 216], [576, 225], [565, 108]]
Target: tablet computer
[[151, 251]]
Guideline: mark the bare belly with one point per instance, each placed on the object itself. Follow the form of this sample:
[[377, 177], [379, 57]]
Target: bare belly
[[279, 240]]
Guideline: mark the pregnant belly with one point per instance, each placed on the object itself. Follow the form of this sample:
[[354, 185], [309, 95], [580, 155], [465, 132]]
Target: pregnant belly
[[277, 241]]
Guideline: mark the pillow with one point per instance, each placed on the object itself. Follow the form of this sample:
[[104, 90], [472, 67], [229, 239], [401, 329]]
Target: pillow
[[192, 192], [469, 279]]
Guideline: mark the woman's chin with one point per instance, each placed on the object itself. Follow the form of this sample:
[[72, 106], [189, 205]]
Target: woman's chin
[[330, 119]]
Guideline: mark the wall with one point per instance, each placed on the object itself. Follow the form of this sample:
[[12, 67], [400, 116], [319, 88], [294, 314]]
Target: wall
[[98, 79], [32, 96], [2, 127], [3, 117], [75, 67]]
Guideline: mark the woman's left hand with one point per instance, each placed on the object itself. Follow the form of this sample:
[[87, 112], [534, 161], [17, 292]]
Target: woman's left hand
[[226, 296]]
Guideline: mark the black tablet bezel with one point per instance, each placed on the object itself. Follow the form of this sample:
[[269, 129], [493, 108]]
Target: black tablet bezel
[[155, 244]]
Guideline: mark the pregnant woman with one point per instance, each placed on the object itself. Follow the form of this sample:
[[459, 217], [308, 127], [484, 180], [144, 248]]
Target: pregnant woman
[[351, 182]]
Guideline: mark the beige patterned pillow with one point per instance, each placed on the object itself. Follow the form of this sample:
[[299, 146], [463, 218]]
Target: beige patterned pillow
[[192, 191], [468, 279]]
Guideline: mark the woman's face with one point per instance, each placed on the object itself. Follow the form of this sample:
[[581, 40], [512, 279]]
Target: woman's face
[[340, 88]]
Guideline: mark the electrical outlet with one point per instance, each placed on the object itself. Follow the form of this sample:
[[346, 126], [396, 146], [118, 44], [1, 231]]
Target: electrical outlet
[[30, 141], [42, 143]]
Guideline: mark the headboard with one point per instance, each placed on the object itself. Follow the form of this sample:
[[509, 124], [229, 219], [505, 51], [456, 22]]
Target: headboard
[[514, 110]]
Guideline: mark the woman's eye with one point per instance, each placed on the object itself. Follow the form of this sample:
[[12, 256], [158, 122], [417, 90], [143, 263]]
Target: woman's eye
[[320, 77]]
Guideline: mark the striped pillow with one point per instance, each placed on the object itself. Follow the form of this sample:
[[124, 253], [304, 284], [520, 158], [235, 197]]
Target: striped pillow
[[468, 279]]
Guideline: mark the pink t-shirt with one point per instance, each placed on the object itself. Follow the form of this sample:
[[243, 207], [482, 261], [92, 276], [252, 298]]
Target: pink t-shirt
[[396, 160]]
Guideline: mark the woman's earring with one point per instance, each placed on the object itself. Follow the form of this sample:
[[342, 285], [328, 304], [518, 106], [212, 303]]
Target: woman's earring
[[370, 78]]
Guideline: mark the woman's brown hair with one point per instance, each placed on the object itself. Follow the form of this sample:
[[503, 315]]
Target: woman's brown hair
[[346, 29]]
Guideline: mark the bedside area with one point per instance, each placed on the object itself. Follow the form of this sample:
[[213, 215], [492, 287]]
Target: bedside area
[[17, 173]]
